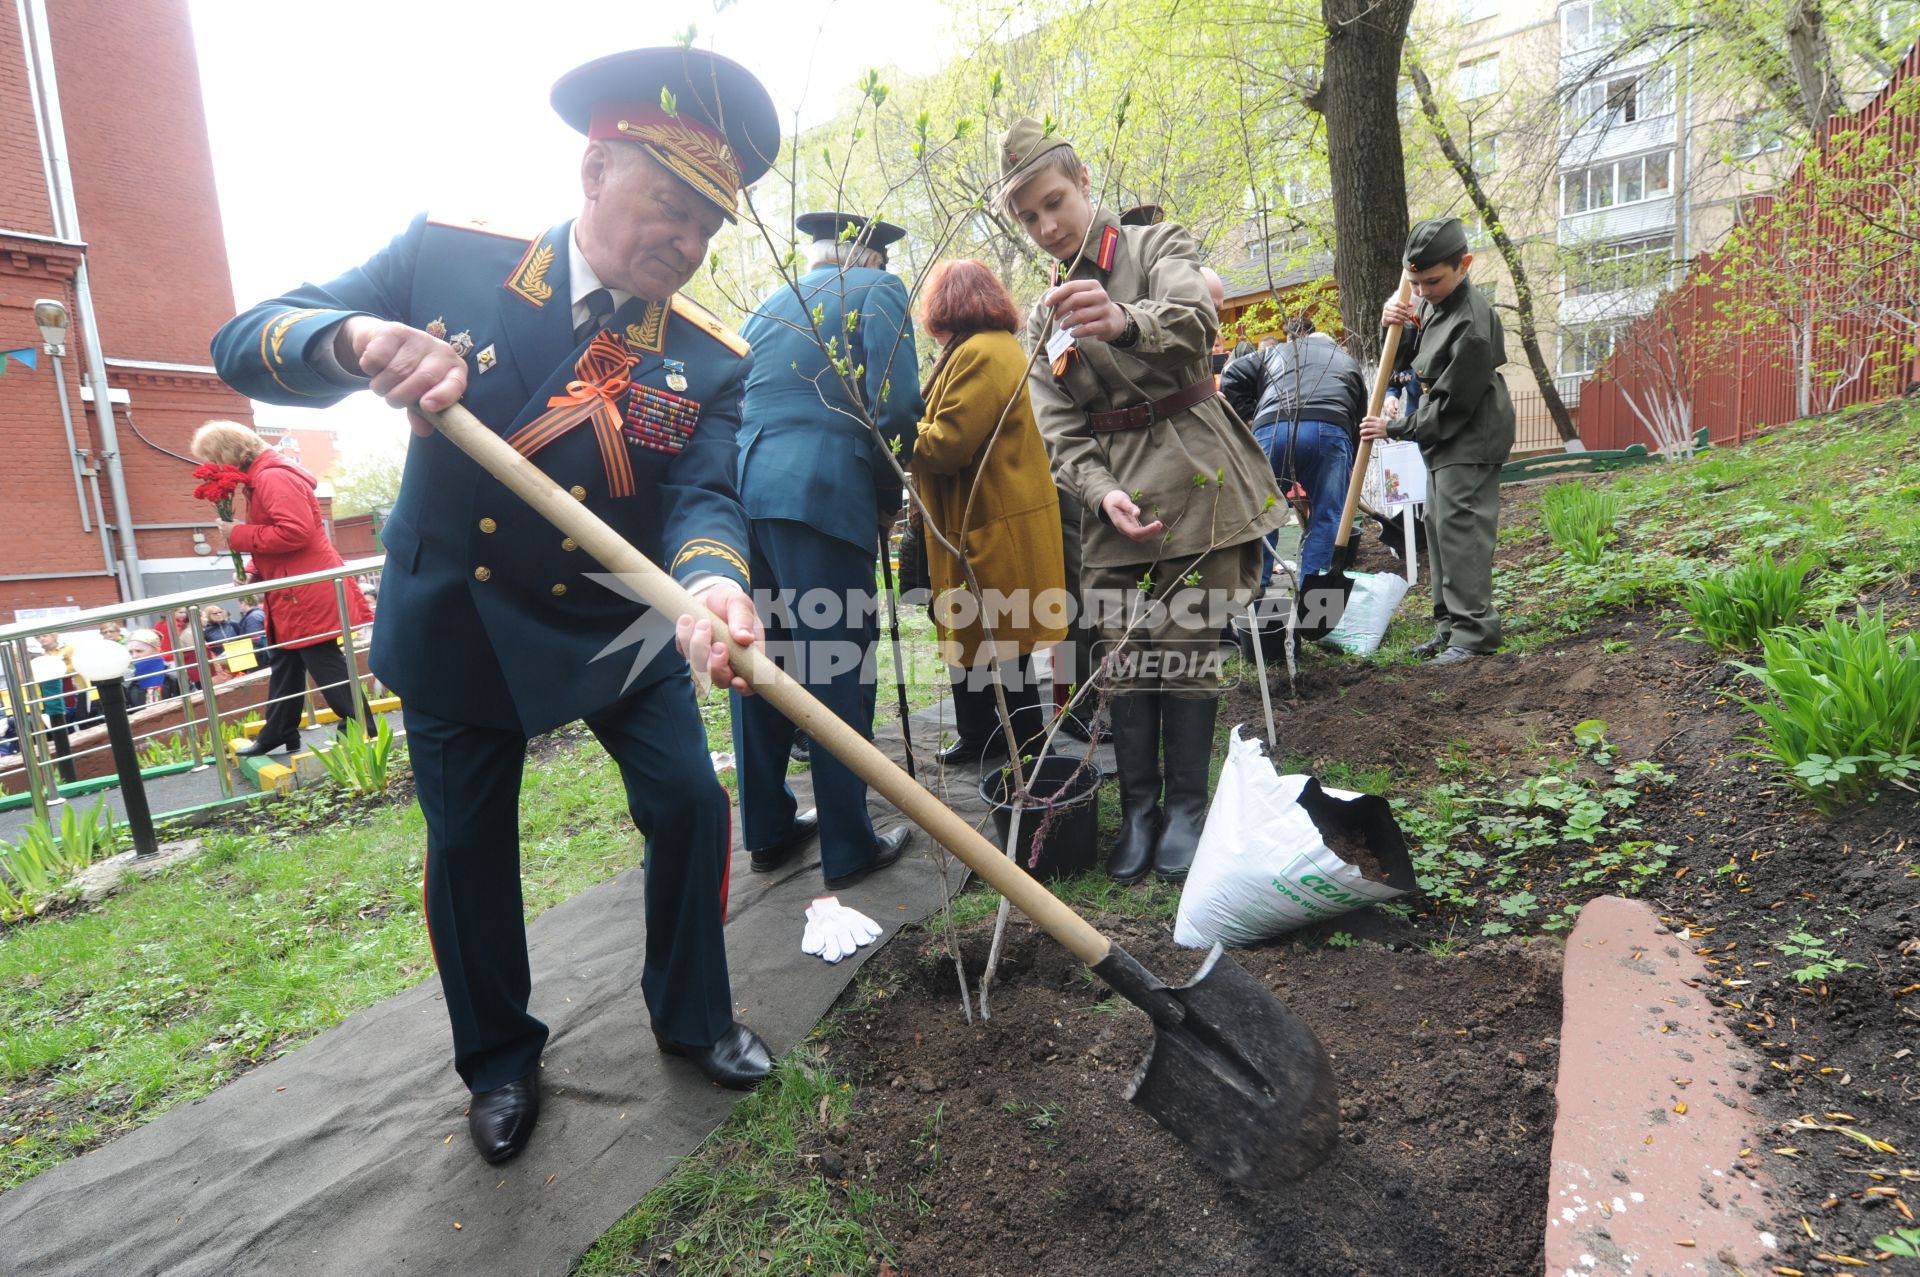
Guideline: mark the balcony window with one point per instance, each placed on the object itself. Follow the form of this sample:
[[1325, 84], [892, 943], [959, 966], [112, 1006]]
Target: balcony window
[[1484, 154], [1478, 78], [1618, 100], [1477, 10], [1616, 182], [1586, 23], [1633, 263]]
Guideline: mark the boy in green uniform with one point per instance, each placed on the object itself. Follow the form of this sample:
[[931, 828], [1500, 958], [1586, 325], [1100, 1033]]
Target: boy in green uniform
[[1464, 426], [1174, 495]]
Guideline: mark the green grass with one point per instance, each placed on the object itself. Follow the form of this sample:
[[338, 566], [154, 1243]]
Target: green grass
[[1844, 491], [748, 1201], [177, 984]]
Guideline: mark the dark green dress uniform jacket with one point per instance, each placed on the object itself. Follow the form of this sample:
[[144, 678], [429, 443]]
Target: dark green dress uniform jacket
[[1465, 417], [488, 615]]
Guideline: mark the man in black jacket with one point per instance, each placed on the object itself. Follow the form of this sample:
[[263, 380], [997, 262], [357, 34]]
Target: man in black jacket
[[1305, 399]]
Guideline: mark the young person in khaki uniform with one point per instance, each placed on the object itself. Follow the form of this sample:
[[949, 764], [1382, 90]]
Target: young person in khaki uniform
[[1464, 426], [1175, 496]]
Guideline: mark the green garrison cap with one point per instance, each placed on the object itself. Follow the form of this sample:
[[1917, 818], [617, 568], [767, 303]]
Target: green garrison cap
[[1026, 144], [1436, 240]]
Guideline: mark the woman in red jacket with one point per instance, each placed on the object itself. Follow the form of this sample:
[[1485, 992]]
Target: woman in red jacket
[[284, 535]]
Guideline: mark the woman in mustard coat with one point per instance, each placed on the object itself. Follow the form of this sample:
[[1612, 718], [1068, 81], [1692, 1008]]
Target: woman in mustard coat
[[982, 471]]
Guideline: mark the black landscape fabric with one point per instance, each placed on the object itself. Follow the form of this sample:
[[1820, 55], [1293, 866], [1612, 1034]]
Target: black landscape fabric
[[351, 1154]]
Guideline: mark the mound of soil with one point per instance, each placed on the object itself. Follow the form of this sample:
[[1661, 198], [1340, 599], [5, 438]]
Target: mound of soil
[[1756, 871], [1008, 1148]]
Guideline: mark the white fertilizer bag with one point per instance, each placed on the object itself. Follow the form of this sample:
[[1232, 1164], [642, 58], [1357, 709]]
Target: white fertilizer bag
[[1279, 852], [1376, 597]]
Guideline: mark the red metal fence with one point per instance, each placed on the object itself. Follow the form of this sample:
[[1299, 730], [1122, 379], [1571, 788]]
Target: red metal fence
[[1818, 294]]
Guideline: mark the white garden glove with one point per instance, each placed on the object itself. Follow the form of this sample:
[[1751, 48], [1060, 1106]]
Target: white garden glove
[[835, 931]]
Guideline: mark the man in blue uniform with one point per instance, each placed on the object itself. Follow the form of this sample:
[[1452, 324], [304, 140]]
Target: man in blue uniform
[[576, 346], [821, 495]]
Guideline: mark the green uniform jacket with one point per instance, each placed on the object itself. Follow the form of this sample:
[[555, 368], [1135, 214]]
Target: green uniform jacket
[[1465, 417], [1199, 471]]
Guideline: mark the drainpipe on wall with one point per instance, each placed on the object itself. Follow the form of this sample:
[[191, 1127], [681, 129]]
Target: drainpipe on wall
[[66, 222]]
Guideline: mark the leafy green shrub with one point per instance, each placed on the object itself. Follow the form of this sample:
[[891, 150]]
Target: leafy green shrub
[[1733, 609], [1580, 520], [1842, 716], [358, 763], [34, 870]]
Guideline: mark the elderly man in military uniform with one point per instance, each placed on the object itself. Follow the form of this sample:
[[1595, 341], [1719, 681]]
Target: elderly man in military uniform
[[576, 346], [1175, 496], [821, 494], [1464, 426]]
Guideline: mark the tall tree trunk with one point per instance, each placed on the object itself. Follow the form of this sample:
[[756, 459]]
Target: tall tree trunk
[[1813, 70], [1358, 97], [1516, 267]]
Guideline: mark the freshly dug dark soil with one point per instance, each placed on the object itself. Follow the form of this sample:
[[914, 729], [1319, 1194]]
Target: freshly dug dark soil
[[1009, 1149], [1755, 865]]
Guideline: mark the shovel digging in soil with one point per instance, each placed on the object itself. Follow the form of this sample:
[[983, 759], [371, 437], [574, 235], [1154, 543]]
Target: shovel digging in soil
[[1231, 1072]]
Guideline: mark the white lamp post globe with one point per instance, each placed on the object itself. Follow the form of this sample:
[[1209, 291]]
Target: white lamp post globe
[[100, 660], [51, 315]]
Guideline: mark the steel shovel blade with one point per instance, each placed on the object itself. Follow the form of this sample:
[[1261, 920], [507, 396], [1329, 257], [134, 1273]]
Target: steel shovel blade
[[1240, 1079]]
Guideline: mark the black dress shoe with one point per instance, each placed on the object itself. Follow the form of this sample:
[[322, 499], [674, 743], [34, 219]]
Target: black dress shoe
[[892, 845], [964, 751], [254, 749], [1432, 647], [740, 1059], [501, 1120], [768, 859]]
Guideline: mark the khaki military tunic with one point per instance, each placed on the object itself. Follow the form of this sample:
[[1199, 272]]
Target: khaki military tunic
[[1199, 471]]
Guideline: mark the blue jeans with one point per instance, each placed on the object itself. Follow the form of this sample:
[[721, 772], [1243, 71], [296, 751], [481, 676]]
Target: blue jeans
[[1322, 464]]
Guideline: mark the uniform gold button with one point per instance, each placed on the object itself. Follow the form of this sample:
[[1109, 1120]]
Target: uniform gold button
[[568, 543], [559, 590], [483, 573], [488, 525], [579, 493]]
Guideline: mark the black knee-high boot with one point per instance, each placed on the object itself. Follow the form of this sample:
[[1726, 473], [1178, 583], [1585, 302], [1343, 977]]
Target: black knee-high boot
[[1186, 727], [1136, 753]]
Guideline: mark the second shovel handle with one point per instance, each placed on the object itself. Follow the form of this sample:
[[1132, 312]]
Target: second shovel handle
[[1382, 376]]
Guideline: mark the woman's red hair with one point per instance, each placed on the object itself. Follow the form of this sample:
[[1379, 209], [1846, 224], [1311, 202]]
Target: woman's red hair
[[965, 296]]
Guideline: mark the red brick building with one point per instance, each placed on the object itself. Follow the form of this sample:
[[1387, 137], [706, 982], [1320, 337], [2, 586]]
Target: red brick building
[[113, 88]]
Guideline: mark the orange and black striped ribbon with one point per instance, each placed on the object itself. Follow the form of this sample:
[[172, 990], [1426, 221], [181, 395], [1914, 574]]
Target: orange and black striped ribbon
[[595, 395]]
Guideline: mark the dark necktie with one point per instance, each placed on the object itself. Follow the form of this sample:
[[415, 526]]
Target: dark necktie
[[599, 311]]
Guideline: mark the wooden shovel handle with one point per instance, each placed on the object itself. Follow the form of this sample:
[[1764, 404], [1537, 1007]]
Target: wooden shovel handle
[[1375, 402], [665, 595]]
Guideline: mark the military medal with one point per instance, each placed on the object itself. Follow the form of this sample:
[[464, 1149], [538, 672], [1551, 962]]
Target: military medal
[[676, 374], [462, 342], [438, 328], [485, 359]]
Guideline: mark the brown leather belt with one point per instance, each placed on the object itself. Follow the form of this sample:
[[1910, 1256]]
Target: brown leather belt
[[1159, 410]]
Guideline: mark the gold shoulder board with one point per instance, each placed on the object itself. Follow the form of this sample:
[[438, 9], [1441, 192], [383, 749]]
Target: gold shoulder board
[[703, 319]]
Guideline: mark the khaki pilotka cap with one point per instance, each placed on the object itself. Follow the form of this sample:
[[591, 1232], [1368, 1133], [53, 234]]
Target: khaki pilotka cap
[[1025, 145], [1435, 240]]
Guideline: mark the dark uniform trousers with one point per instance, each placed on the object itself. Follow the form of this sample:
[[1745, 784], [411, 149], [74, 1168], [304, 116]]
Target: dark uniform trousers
[[1462, 522], [468, 778], [287, 671], [788, 555]]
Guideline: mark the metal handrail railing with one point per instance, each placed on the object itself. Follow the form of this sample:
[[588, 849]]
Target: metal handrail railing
[[43, 747], [164, 604]]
